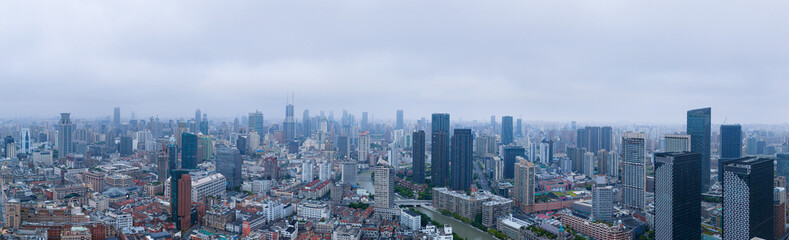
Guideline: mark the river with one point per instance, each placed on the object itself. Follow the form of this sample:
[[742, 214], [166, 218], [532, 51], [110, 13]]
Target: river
[[463, 230]]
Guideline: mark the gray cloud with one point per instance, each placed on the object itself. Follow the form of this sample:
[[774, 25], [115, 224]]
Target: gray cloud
[[585, 61]]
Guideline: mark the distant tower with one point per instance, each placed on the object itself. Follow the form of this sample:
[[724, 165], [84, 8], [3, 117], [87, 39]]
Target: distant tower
[[306, 124], [163, 164], [519, 128], [198, 116], [418, 156], [364, 148], [633, 170], [677, 195], [116, 117], [256, 123], [25, 141], [65, 139], [289, 125], [349, 173], [747, 196], [462, 159], [589, 164], [698, 127], [364, 125], [510, 159], [506, 130], [440, 149], [399, 123]]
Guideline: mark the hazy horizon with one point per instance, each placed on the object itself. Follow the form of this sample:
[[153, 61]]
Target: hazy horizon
[[618, 61]]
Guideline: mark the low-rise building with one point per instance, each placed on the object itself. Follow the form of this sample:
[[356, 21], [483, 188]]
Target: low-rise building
[[312, 210], [410, 220]]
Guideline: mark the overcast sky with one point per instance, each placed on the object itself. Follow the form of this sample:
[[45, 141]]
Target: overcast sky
[[602, 61]]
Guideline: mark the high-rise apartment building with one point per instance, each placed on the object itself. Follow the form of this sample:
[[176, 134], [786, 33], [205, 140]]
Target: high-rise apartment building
[[633, 170], [524, 183], [506, 130], [462, 159], [364, 148], [747, 198], [594, 138], [181, 199], [255, 122], [349, 173], [698, 127], [384, 187], [677, 195], [440, 149], [65, 137], [271, 168], [589, 165], [418, 156]]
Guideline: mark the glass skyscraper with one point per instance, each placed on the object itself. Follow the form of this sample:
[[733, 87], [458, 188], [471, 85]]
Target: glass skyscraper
[[731, 146], [418, 155], [440, 149], [747, 198], [462, 154], [189, 151], [677, 195], [506, 130], [699, 130]]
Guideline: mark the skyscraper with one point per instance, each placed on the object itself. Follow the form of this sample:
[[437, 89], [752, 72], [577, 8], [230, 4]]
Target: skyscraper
[[440, 149], [546, 152], [731, 146], [633, 170], [228, 163], [126, 148], [418, 156], [364, 148], [677, 195], [589, 164], [462, 154], [116, 117], [519, 128], [364, 125], [384, 187], [782, 164], [271, 168], [506, 130], [603, 166], [163, 164], [594, 138], [343, 147], [676, 143], [699, 130], [289, 125], [65, 139], [747, 198], [511, 154], [172, 154], [399, 123], [306, 124], [349, 173], [198, 116], [603, 203], [524, 183], [181, 199], [25, 140], [256, 122], [307, 171], [189, 151]]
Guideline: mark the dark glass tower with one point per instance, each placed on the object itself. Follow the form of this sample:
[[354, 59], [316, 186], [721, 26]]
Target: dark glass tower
[[510, 153], [126, 148], [418, 155], [747, 197], [699, 131], [181, 198], [731, 146], [440, 149], [172, 154], [228, 163], [306, 124], [519, 128], [256, 123], [506, 130], [188, 151], [677, 195], [343, 147], [462, 144], [782, 164]]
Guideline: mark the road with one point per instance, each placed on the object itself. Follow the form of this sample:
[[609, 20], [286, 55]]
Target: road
[[482, 178]]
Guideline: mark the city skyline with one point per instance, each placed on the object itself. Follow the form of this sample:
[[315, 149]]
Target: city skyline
[[373, 57]]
